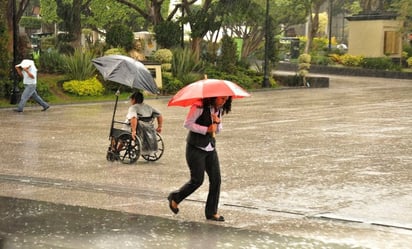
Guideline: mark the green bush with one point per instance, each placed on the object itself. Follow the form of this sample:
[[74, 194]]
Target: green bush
[[79, 66], [170, 84], [248, 79], [6, 86], [408, 49], [166, 67], [350, 60], [120, 36], [183, 63], [304, 58], [304, 65], [43, 89], [321, 60], [380, 63], [65, 48], [90, 87], [409, 61], [319, 43], [4, 56], [168, 34], [228, 59], [163, 56], [51, 61], [112, 51]]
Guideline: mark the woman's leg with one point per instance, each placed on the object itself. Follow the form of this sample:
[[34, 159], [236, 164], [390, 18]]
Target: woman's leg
[[195, 159], [213, 171]]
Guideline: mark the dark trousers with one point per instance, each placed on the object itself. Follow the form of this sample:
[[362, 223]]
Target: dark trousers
[[200, 161]]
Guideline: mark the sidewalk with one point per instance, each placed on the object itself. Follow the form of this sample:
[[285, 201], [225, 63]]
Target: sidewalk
[[330, 165]]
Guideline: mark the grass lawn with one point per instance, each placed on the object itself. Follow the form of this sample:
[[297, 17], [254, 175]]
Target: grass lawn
[[58, 96]]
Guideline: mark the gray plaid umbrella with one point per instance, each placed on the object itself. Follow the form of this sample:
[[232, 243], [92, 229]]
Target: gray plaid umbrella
[[126, 71]]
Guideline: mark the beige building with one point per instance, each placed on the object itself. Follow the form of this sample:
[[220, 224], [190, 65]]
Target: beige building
[[376, 36]]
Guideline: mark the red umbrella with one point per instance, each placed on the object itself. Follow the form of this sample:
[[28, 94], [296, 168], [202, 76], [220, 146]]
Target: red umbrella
[[206, 88]]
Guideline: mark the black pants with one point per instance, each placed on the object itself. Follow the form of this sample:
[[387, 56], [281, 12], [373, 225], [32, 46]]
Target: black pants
[[200, 161]]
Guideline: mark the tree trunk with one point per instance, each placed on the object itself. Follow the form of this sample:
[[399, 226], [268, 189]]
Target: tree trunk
[[9, 16], [308, 44], [196, 46], [20, 8], [313, 24], [156, 12], [251, 42], [77, 25]]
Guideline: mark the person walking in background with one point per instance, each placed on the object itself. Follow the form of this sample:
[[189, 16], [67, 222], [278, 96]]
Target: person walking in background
[[28, 71], [203, 122]]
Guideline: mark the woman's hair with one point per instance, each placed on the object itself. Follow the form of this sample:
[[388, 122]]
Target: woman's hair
[[138, 96], [227, 107]]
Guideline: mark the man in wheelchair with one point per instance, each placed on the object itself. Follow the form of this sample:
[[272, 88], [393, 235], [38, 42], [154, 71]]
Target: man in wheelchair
[[140, 117]]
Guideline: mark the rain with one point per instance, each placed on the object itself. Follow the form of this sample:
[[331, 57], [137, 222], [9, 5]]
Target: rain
[[301, 168]]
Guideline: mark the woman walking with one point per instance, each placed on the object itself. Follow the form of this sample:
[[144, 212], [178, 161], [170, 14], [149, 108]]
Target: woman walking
[[203, 122]]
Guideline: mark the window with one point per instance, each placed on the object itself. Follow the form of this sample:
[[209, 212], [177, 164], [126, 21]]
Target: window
[[391, 42]]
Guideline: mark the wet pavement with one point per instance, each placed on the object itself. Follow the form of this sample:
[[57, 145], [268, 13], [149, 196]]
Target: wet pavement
[[301, 168]]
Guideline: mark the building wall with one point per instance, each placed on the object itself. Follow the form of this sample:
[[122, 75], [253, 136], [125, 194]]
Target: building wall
[[374, 38]]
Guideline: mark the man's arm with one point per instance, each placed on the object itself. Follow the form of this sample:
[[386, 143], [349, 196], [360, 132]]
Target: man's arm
[[159, 123], [133, 126], [18, 69]]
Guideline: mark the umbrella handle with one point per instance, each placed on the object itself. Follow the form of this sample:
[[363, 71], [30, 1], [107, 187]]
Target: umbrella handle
[[114, 112]]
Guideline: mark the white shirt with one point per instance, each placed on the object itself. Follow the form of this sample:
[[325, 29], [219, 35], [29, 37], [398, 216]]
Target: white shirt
[[141, 110], [26, 78]]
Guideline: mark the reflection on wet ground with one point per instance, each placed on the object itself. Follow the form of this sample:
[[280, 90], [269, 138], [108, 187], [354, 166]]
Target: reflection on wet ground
[[330, 165], [29, 224]]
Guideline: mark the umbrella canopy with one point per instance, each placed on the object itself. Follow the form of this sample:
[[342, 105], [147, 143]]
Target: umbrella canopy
[[206, 88], [126, 71]]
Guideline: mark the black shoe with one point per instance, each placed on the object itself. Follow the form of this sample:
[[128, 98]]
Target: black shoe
[[214, 218], [174, 210], [45, 108], [17, 110]]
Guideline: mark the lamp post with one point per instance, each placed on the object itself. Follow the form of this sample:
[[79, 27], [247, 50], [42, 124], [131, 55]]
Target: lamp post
[[265, 82], [15, 90], [330, 26]]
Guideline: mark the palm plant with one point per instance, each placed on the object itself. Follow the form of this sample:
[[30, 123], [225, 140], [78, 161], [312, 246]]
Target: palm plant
[[185, 66], [79, 65]]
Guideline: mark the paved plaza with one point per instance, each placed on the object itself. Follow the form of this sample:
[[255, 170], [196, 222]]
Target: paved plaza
[[315, 166]]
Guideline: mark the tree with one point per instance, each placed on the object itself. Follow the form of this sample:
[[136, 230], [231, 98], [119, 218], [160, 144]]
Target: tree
[[248, 17], [4, 40], [20, 9], [313, 21], [404, 10], [120, 36], [228, 58], [150, 12], [246, 22], [201, 21], [168, 34], [70, 14]]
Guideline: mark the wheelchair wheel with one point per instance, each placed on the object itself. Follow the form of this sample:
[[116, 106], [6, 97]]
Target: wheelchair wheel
[[129, 150], [111, 156], [156, 155]]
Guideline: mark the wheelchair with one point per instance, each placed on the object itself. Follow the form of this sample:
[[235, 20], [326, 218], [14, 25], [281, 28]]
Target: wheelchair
[[148, 143]]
